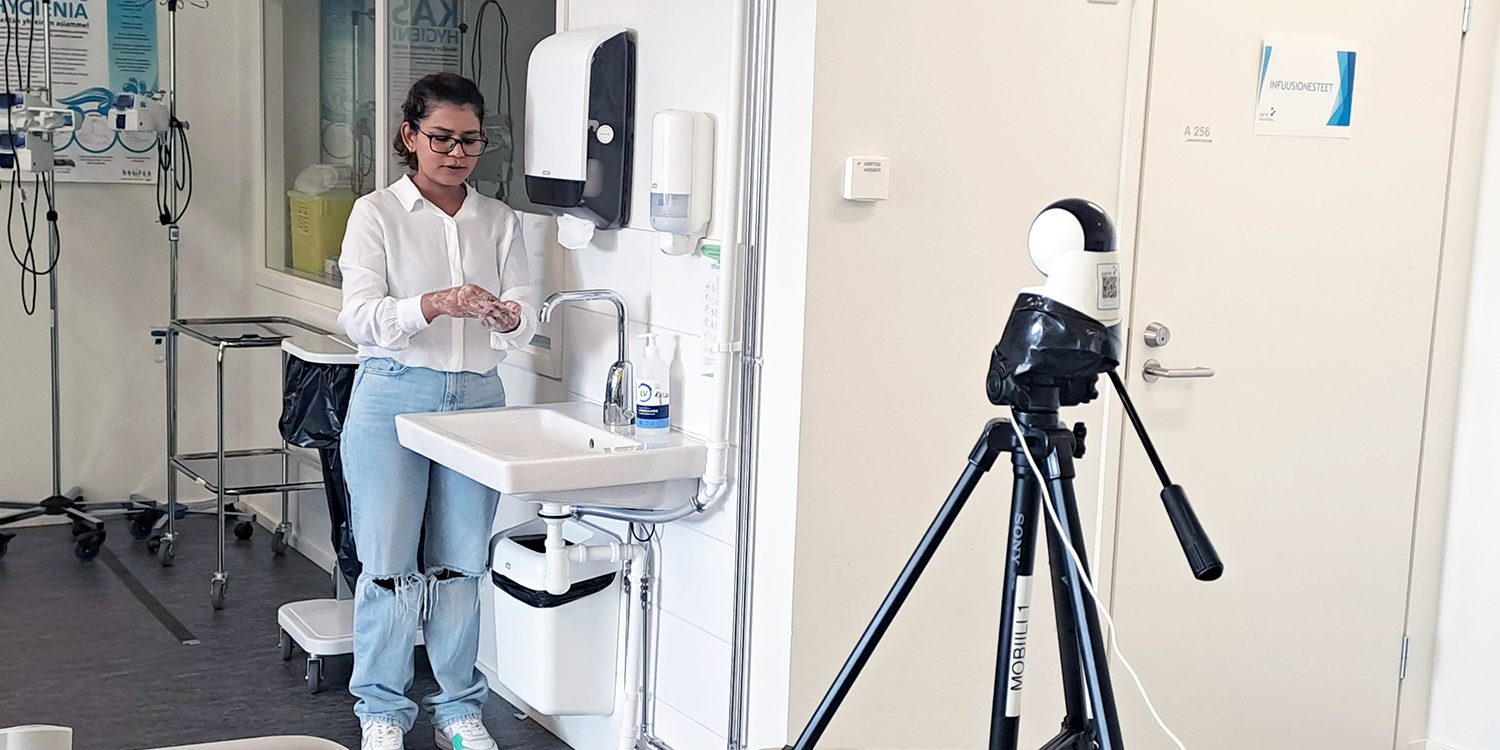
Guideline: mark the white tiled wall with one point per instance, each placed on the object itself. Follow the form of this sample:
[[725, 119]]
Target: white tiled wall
[[683, 62]]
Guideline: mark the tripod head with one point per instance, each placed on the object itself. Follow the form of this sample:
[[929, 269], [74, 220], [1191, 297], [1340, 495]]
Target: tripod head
[[1063, 335]]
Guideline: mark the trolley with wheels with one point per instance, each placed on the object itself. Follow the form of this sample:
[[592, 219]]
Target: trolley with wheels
[[228, 474]]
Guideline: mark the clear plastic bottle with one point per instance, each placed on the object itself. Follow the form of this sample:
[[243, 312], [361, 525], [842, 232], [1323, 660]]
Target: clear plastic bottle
[[653, 397]]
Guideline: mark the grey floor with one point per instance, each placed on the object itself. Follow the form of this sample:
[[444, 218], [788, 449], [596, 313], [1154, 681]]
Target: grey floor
[[79, 649]]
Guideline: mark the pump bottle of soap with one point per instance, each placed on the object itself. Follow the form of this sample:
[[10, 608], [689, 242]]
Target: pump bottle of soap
[[653, 398]]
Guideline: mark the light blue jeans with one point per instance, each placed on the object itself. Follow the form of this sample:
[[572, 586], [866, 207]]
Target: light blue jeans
[[391, 491]]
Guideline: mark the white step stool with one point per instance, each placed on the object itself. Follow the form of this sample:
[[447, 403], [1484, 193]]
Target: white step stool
[[320, 627]]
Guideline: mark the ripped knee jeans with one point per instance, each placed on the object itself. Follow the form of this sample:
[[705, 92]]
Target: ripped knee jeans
[[393, 491]]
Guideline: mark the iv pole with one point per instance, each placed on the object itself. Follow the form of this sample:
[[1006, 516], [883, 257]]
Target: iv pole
[[88, 529]]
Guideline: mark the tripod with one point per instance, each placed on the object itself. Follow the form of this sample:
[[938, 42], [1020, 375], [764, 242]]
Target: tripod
[[1059, 339], [1091, 720]]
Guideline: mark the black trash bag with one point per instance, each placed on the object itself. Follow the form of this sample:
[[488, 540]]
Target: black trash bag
[[1047, 343], [342, 533], [315, 401]]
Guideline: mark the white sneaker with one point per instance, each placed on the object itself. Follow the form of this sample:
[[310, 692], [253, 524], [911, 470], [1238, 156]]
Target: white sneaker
[[381, 735], [464, 734]]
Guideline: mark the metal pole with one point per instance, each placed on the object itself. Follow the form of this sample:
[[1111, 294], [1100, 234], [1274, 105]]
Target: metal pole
[[755, 154], [170, 537], [284, 527], [52, 286], [56, 366], [174, 234], [220, 479], [47, 46]]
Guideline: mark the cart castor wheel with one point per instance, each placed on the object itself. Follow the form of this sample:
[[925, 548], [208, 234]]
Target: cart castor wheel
[[88, 545], [279, 545], [286, 646], [314, 675], [244, 530], [142, 523], [216, 592], [166, 552]]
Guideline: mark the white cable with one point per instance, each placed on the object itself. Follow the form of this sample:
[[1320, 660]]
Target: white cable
[[1088, 584]]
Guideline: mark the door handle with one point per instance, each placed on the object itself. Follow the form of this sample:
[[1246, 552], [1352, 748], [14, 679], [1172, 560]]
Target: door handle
[[1153, 371]]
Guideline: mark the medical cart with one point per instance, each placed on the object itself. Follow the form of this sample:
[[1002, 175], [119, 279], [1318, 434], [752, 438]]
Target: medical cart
[[232, 473]]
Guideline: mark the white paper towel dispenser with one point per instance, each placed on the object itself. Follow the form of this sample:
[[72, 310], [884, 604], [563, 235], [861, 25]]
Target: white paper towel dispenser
[[580, 122]]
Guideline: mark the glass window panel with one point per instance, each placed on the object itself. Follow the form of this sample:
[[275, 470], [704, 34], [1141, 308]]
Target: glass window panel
[[320, 129], [323, 142]]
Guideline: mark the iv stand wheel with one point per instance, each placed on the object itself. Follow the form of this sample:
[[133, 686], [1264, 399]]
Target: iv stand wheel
[[142, 523], [314, 675], [166, 552], [216, 591], [88, 544], [286, 646], [5, 542], [244, 530], [279, 544]]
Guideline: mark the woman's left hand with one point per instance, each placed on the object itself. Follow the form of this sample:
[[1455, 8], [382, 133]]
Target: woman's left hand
[[503, 316]]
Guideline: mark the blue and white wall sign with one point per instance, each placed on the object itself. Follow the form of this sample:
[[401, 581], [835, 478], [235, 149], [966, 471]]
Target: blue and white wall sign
[[1306, 88], [100, 48]]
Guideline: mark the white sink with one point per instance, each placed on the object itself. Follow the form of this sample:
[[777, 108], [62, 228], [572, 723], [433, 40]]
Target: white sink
[[558, 453]]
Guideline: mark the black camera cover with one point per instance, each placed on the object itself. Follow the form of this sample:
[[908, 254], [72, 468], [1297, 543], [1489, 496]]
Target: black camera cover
[[1048, 344]]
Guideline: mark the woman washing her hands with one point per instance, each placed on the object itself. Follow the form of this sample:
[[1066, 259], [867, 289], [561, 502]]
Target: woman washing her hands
[[436, 291], [472, 301]]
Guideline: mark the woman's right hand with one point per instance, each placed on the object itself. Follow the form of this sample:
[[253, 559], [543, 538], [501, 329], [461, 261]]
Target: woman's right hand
[[467, 301]]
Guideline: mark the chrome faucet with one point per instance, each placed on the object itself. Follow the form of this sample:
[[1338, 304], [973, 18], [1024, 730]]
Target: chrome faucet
[[618, 405]]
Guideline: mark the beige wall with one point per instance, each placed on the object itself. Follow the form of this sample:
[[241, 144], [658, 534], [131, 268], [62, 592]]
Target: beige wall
[[989, 112]]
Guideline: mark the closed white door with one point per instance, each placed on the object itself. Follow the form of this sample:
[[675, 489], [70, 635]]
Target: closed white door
[[1303, 271]]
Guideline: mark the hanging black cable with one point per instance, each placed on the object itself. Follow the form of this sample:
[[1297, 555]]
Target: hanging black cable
[[25, 258], [503, 103], [174, 171]]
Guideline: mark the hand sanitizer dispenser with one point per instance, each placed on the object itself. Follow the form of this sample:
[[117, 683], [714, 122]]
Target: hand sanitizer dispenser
[[580, 112], [682, 176]]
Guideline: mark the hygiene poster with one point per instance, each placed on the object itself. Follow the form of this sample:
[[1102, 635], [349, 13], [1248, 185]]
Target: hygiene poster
[[99, 48], [1306, 88], [424, 39]]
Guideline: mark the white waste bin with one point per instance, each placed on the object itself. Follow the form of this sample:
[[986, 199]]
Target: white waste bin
[[557, 653]]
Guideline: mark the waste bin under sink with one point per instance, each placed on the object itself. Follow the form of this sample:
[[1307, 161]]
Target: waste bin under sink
[[557, 653]]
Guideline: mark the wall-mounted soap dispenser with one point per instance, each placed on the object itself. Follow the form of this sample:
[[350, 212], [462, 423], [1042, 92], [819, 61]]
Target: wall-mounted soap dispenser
[[682, 177], [580, 113]]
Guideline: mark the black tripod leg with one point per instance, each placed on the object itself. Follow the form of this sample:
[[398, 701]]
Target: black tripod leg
[[1075, 733], [1015, 609], [1079, 609], [980, 461]]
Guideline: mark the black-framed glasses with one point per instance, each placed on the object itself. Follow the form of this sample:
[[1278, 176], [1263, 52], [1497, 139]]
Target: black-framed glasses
[[444, 144]]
